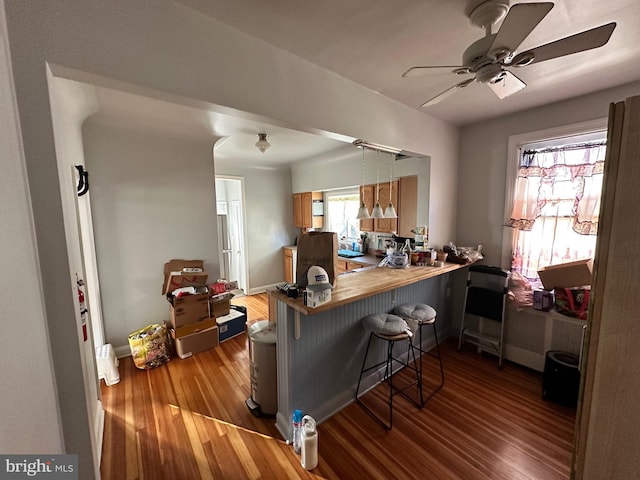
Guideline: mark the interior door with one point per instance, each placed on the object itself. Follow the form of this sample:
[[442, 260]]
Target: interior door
[[224, 247], [230, 203], [236, 235]]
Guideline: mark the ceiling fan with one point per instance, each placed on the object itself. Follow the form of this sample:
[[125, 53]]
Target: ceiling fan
[[486, 59]]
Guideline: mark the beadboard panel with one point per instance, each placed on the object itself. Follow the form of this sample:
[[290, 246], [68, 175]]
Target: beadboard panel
[[318, 372]]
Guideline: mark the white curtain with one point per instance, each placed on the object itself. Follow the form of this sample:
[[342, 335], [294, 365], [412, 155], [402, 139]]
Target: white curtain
[[556, 205]]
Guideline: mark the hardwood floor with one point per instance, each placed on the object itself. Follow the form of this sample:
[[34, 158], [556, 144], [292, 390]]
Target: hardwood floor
[[188, 420]]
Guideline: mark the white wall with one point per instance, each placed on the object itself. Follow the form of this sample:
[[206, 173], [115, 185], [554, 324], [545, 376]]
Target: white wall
[[29, 402], [167, 47], [483, 162], [269, 210], [153, 199], [69, 152]]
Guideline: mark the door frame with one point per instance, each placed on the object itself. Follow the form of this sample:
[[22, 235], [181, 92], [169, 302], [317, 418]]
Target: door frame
[[244, 241]]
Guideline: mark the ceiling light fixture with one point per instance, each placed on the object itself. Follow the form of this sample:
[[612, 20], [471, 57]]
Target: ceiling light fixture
[[374, 146], [377, 210], [262, 144], [390, 212], [363, 211]]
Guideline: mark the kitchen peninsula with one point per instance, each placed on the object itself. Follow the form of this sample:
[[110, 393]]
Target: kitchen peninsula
[[320, 350]]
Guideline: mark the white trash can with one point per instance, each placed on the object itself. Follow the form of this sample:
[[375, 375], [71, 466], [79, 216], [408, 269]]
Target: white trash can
[[262, 354]]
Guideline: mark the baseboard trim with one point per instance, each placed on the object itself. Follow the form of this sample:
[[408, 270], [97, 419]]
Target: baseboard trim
[[263, 289], [122, 351]]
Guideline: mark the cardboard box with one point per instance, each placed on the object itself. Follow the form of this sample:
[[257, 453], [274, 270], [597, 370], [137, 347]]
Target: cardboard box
[[176, 277], [188, 309], [193, 327], [220, 305], [195, 338], [316, 295], [222, 286], [232, 324], [563, 275]]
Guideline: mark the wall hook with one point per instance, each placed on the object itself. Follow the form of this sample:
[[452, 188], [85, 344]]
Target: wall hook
[[83, 181]]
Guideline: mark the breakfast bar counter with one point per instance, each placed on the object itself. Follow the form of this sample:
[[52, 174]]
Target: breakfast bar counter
[[368, 281], [320, 350]]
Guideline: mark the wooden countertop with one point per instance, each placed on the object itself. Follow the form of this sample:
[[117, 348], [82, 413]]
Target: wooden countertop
[[364, 260], [367, 282]]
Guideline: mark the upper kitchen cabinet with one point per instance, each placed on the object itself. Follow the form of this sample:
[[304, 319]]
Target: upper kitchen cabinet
[[303, 214], [368, 196], [387, 191], [407, 206], [404, 195]]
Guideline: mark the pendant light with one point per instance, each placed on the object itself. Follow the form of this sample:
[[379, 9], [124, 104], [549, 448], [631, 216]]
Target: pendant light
[[390, 212], [363, 212], [377, 210]]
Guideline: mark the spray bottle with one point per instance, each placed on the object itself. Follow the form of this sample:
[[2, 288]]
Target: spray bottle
[[309, 440]]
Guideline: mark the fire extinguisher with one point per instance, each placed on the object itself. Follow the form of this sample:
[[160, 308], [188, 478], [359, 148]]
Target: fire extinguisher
[[83, 308]]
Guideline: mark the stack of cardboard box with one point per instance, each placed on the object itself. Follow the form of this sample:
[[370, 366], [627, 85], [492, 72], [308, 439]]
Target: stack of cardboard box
[[193, 327]]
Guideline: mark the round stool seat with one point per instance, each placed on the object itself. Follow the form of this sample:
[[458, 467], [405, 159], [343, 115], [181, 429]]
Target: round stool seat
[[416, 314], [386, 324]]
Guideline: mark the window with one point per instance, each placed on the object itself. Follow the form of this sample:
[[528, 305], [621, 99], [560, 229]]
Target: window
[[341, 210], [556, 202]]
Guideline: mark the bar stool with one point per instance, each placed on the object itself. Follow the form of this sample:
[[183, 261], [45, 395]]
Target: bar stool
[[417, 315], [391, 329]]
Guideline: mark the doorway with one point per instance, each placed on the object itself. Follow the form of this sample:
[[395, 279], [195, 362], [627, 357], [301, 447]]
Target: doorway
[[231, 229]]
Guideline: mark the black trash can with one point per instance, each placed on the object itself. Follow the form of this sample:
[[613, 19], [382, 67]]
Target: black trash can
[[561, 378]]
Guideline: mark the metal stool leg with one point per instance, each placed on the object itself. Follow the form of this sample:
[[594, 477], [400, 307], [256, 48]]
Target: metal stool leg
[[435, 334], [439, 356], [388, 378], [364, 360]]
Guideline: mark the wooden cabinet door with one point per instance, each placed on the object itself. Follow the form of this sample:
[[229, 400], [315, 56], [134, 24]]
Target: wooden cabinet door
[[387, 225], [297, 210], [341, 266], [407, 206], [317, 220], [368, 193], [353, 266], [307, 217], [288, 266]]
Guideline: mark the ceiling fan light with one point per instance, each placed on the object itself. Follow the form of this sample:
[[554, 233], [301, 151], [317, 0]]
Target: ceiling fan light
[[363, 212], [262, 144], [523, 59], [377, 211]]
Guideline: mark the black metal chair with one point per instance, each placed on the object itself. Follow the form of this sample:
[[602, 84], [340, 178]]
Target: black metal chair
[[417, 315], [391, 329], [485, 298]]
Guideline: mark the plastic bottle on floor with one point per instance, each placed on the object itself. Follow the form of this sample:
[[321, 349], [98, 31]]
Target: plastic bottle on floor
[[309, 441], [297, 425]]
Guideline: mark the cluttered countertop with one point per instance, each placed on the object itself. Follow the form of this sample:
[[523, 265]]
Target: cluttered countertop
[[367, 282]]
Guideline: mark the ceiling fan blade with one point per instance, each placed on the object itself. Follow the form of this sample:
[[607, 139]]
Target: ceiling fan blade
[[506, 85], [594, 38], [420, 71], [517, 25], [448, 92]]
